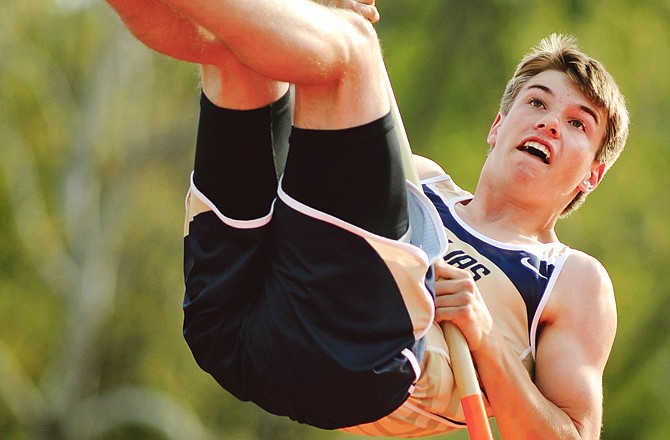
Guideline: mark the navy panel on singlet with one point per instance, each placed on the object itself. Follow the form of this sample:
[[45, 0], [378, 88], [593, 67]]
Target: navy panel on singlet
[[529, 274]]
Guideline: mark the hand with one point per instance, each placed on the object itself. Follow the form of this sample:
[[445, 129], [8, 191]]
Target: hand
[[366, 8], [459, 301]]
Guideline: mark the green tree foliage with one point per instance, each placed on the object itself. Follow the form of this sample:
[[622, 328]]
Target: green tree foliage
[[96, 136]]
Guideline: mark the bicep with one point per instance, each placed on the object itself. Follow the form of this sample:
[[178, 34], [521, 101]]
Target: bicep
[[574, 345], [567, 377]]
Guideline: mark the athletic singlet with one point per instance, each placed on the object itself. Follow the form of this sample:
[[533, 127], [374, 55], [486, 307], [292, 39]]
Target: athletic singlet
[[515, 281]]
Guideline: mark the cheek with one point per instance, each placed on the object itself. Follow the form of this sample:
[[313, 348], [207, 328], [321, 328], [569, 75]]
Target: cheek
[[575, 170], [579, 147]]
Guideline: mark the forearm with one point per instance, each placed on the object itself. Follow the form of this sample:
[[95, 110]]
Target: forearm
[[163, 29], [521, 410]]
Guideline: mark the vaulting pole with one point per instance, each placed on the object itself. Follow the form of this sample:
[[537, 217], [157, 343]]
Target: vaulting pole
[[465, 375]]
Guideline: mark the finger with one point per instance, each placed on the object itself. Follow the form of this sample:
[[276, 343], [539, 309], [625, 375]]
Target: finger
[[460, 315], [460, 282], [447, 301], [449, 286], [445, 270]]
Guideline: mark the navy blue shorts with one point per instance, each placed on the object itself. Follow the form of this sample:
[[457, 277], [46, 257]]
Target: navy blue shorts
[[306, 314], [302, 316]]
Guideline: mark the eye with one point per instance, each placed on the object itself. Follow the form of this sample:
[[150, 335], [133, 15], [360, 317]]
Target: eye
[[578, 124], [537, 103]]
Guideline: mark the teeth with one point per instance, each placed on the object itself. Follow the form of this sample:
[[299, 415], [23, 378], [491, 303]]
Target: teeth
[[538, 146]]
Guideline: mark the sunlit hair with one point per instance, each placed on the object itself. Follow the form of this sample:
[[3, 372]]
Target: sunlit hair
[[560, 52]]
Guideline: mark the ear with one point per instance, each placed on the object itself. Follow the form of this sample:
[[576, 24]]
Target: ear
[[493, 132], [591, 181]]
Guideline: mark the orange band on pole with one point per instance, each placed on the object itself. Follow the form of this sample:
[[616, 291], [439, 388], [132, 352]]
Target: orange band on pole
[[467, 383], [476, 418]]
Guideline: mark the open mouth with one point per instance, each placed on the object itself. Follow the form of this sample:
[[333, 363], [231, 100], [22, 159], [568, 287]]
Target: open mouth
[[537, 150]]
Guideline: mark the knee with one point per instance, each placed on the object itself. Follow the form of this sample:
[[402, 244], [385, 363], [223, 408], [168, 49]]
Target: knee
[[363, 48]]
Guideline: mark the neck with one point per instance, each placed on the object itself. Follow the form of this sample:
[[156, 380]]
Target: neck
[[509, 220]]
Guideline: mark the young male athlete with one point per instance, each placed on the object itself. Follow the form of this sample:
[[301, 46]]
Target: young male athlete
[[310, 299]]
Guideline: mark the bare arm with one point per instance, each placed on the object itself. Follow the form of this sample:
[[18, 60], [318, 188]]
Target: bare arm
[[573, 348], [578, 326]]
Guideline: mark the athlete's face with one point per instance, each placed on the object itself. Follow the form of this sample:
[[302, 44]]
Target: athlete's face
[[548, 140]]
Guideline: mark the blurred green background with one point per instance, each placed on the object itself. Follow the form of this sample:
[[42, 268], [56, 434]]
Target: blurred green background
[[96, 145]]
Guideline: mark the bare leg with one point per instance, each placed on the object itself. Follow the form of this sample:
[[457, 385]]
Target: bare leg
[[333, 57], [260, 290]]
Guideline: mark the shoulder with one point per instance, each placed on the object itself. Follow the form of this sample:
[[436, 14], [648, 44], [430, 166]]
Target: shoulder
[[432, 175], [582, 271], [427, 168], [584, 280], [583, 298]]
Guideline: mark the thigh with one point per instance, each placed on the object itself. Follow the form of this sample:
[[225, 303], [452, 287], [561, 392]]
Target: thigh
[[333, 343], [354, 174], [224, 263]]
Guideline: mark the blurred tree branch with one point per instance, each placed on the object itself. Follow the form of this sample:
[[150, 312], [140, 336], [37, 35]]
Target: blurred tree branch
[[75, 244]]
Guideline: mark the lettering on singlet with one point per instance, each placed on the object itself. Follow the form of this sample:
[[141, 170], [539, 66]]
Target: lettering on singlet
[[461, 260]]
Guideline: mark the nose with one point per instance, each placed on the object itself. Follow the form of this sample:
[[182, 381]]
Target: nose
[[548, 124]]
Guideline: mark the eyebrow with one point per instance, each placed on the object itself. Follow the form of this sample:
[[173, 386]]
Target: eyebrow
[[585, 108]]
